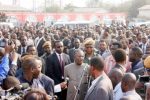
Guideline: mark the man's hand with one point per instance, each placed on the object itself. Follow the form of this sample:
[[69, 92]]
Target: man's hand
[[63, 85], [9, 48], [14, 56]]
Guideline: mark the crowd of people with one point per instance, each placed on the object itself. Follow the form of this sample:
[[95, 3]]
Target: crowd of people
[[84, 63]]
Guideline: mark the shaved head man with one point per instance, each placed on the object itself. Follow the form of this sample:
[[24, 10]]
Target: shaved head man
[[116, 76], [77, 71], [128, 86]]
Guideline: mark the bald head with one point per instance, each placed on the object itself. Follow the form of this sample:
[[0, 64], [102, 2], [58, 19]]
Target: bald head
[[128, 82], [115, 76], [78, 56], [77, 51]]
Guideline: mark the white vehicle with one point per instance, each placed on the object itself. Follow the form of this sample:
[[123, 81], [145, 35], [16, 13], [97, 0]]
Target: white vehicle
[[6, 24], [73, 24], [12, 19]]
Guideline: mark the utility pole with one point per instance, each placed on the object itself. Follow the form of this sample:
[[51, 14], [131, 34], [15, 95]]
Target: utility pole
[[60, 3]]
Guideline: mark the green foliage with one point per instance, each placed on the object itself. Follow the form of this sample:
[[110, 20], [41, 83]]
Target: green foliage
[[69, 7], [54, 8], [133, 11]]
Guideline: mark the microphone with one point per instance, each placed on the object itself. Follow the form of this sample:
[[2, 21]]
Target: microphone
[[22, 86], [67, 80]]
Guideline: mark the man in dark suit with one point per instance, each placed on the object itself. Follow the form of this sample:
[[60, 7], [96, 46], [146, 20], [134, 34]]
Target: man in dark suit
[[55, 66], [101, 87], [145, 44], [135, 56], [22, 49], [72, 50], [39, 41]]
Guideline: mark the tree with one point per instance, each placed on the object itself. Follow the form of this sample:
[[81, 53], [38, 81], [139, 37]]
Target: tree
[[92, 3], [53, 8], [69, 7], [133, 11], [123, 7]]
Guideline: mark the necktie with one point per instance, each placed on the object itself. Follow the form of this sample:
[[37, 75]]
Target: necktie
[[61, 64], [23, 51], [143, 48]]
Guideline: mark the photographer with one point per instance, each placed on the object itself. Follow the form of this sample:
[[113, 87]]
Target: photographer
[[4, 65], [144, 78]]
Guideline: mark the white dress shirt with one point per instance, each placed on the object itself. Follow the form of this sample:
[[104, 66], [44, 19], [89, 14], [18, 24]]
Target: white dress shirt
[[132, 94], [59, 55], [57, 88], [117, 92], [25, 48]]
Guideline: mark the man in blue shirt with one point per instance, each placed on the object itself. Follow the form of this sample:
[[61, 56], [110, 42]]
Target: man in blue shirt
[[4, 64]]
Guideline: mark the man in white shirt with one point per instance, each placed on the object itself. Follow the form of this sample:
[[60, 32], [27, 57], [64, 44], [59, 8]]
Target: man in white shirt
[[39, 41], [115, 76], [128, 86]]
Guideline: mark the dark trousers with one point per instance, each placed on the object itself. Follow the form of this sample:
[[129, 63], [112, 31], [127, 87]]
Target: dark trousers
[[62, 95]]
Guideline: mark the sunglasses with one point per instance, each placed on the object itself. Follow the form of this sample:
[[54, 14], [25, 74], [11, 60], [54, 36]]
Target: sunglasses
[[89, 47], [59, 47]]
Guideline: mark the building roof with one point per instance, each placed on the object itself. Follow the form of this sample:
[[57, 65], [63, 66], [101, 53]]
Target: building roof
[[13, 8], [145, 7]]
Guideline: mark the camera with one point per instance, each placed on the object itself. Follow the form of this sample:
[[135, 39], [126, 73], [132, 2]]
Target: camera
[[144, 78], [2, 43]]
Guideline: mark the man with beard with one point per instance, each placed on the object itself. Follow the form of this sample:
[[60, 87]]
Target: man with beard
[[135, 56], [72, 50], [55, 67], [31, 66], [103, 49], [23, 47], [77, 72]]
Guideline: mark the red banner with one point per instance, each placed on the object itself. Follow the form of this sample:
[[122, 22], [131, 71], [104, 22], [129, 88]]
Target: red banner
[[40, 17]]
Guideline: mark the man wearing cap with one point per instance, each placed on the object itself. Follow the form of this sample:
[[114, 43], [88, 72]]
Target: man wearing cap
[[89, 50], [47, 49], [47, 52]]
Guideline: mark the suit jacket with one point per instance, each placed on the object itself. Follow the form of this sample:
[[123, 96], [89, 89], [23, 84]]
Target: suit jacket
[[120, 67], [71, 54], [74, 73], [54, 70], [102, 89], [40, 48], [19, 50]]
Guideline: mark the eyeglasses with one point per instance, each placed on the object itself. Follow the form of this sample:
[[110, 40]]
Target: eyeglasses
[[59, 46]]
